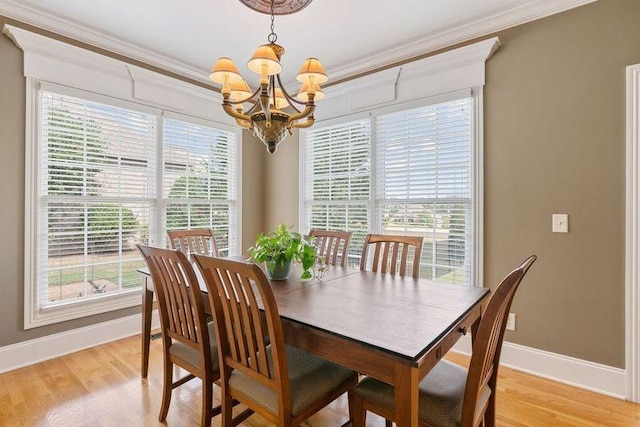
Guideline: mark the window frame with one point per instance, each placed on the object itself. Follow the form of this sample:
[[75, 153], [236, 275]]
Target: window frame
[[34, 314], [162, 200], [476, 152], [304, 214]]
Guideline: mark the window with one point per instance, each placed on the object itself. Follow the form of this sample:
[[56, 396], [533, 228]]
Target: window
[[108, 180], [424, 185], [338, 180], [413, 175], [200, 180]]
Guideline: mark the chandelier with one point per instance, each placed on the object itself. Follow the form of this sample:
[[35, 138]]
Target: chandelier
[[271, 113]]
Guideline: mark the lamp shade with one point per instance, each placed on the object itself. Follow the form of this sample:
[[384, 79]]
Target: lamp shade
[[225, 68], [311, 67], [240, 90], [264, 55], [304, 96]]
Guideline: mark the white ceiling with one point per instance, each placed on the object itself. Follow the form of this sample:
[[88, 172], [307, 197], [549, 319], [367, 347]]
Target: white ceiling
[[348, 36]]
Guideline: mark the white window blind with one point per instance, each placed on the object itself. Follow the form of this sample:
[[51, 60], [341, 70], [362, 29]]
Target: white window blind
[[424, 183], [95, 198], [337, 177], [200, 180], [413, 175]]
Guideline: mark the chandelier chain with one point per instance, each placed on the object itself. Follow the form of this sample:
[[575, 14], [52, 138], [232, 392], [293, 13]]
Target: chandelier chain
[[273, 36]]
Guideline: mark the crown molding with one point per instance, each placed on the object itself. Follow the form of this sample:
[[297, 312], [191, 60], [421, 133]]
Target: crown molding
[[46, 21], [53, 61], [531, 11], [434, 77], [442, 63]]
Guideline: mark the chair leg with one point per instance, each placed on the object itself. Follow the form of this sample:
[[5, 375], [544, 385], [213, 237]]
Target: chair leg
[[227, 408], [350, 399], [489, 419], [147, 308], [207, 402], [356, 410], [167, 387], [388, 423]]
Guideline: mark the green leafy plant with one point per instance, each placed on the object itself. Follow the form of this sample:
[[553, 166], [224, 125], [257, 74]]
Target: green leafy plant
[[281, 247]]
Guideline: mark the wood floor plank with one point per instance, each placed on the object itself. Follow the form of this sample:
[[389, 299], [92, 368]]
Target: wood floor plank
[[101, 386]]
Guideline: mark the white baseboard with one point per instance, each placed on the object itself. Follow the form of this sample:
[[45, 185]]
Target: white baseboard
[[568, 370], [580, 373], [27, 353]]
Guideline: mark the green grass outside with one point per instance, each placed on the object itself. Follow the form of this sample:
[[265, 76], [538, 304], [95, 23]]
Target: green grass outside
[[130, 277]]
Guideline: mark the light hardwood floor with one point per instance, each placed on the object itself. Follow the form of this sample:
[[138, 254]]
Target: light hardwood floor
[[102, 387]]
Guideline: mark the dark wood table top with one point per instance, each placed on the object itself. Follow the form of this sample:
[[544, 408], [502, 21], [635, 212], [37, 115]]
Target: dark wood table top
[[402, 316], [405, 317]]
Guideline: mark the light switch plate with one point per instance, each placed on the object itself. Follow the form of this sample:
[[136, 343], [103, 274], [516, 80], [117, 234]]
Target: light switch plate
[[560, 223]]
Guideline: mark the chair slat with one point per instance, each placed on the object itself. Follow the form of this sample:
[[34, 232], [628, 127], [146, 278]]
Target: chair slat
[[391, 254], [331, 244], [195, 241]]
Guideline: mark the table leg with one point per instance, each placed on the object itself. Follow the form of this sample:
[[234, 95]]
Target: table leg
[[406, 395], [147, 309], [474, 332]]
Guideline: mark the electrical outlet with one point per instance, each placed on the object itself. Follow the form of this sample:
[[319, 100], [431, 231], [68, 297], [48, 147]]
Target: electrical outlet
[[511, 322]]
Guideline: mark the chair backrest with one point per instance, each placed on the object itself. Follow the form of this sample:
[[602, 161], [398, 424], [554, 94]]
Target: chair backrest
[[392, 253], [332, 244], [234, 291], [195, 241], [180, 302], [483, 368]]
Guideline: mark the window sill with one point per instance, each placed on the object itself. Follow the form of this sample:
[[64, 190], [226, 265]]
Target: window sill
[[35, 317]]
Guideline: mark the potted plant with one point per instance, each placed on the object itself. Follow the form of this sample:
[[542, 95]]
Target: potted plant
[[278, 249]]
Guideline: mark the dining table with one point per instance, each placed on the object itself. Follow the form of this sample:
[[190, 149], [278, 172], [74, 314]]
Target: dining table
[[387, 326]]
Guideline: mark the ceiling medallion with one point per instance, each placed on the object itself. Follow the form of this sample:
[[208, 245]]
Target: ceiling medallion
[[280, 7]]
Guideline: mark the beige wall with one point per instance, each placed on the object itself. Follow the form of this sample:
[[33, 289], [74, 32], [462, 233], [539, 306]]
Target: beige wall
[[253, 194], [282, 179], [554, 116], [554, 143]]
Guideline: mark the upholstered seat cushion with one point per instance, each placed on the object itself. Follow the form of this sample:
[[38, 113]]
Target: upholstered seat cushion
[[310, 376], [441, 394], [191, 355]]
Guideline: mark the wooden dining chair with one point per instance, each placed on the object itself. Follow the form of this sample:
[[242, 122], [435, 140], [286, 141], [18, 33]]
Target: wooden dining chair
[[284, 384], [188, 241], [194, 241], [187, 339], [332, 246], [392, 253], [450, 395]]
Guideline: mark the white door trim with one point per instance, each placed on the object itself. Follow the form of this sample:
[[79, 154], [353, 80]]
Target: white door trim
[[632, 267]]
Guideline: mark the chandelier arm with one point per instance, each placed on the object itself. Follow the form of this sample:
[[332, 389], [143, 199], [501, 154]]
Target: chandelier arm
[[289, 98], [307, 123], [247, 99], [309, 109], [272, 95], [255, 107], [233, 113], [244, 124]]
